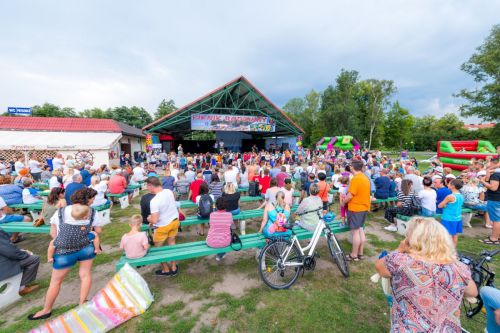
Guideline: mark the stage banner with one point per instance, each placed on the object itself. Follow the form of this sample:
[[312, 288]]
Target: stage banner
[[222, 122]]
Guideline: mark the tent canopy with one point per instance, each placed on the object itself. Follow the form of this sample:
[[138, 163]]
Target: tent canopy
[[38, 140], [237, 97]]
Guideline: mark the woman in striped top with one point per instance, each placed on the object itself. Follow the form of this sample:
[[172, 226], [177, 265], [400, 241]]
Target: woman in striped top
[[219, 233], [216, 186], [403, 206]]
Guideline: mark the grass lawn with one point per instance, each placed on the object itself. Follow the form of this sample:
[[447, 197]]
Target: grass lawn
[[208, 296]]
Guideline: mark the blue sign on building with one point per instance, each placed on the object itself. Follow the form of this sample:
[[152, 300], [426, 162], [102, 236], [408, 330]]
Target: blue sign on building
[[19, 111]]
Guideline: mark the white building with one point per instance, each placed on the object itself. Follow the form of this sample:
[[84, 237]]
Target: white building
[[101, 140]]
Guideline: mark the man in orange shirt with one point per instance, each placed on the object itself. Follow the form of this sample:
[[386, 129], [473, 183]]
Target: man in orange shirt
[[358, 205]]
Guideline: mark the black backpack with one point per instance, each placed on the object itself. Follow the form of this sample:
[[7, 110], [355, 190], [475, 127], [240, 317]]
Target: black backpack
[[205, 205], [253, 189]]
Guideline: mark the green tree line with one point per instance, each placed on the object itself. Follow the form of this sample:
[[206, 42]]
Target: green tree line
[[133, 116], [363, 108]]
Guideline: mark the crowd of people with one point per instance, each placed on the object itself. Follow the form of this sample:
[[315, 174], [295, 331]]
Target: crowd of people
[[213, 182]]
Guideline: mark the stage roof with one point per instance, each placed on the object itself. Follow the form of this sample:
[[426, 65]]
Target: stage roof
[[237, 97]]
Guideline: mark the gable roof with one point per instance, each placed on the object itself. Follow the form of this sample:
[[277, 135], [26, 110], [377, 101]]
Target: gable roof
[[55, 124], [237, 96]]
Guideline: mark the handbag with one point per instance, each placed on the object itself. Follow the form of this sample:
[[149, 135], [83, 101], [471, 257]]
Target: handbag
[[235, 239], [415, 205]]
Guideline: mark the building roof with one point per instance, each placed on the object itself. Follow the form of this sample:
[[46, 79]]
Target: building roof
[[54, 124], [237, 97], [472, 127], [130, 130]]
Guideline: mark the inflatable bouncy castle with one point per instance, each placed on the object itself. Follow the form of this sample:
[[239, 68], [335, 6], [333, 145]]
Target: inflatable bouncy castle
[[457, 154], [344, 142]]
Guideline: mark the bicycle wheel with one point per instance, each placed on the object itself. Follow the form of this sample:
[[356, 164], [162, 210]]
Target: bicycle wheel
[[272, 268], [338, 255]]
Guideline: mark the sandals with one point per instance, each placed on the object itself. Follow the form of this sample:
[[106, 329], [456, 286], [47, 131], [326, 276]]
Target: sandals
[[350, 258], [361, 257], [489, 241]]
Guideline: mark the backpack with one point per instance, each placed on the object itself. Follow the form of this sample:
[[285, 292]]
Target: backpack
[[205, 206], [253, 189], [278, 224], [303, 177]]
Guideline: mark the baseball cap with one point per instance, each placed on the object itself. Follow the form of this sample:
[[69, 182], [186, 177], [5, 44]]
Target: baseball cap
[[451, 176]]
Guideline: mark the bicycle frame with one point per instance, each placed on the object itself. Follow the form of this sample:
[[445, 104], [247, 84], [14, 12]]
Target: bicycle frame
[[321, 227]]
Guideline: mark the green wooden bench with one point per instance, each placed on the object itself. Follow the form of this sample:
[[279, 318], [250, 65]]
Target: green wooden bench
[[136, 188], [388, 200], [185, 251], [246, 198], [243, 215], [402, 220], [44, 193], [122, 198], [41, 186], [29, 207], [27, 227]]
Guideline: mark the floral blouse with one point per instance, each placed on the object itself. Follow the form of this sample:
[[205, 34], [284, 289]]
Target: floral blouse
[[426, 296]]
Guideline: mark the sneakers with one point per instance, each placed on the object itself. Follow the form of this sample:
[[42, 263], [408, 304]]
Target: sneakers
[[169, 273], [391, 227], [220, 257]]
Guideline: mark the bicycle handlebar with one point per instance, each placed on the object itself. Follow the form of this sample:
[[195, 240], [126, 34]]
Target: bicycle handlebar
[[490, 253]]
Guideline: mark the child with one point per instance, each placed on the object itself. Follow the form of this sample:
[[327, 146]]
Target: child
[[46, 174], [343, 195], [452, 209], [29, 193], [324, 188], [135, 243], [78, 213]]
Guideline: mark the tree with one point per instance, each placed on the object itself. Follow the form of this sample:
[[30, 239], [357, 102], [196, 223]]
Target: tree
[[338, 104], [398, 126], [295, 106], [484, 66], [373, 98], [165, 108], [134, 116], [51, 110], [95, 113]]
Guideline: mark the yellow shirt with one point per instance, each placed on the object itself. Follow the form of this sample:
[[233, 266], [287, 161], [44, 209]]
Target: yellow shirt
[[360, 191]]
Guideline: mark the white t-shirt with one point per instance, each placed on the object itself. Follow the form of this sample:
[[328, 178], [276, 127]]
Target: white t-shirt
[[101, 189], [175, 173], [4, 169], [190, 175], [336, 180], [98, 221], [18, 166], [138, 173], [311, 169], [428, 198], [230, 177], [57, 163], [34, 166], [28, 198], [164, 203], [53, 182]]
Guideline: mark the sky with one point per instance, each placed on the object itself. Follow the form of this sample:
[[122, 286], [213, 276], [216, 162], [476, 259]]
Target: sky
[[86, 54]]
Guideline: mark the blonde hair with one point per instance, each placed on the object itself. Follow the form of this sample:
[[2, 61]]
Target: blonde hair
[[229, 188], [94, 180], [135, 219], [280, 199], [79, 212], [428, 239]]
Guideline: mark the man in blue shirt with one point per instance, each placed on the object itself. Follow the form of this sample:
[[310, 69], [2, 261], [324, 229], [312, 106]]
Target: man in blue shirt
[[86, 176], [73, 187], [441, 192]]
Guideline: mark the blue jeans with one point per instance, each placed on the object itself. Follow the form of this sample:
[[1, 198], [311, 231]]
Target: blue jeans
[[12, 218], [491, 299], [427, 212]]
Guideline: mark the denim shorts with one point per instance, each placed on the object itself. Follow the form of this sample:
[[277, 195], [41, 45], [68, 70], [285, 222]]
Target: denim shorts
[[427, 212], [63, 261], [494, 210], [12, 218]]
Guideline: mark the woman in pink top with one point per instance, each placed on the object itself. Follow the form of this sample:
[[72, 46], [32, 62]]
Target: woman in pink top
[[135, 243], [221, 223], [428, 282]]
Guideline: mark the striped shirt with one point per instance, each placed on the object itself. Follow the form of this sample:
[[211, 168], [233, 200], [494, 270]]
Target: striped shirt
[[405, 199], [216, 189], [219, 233]]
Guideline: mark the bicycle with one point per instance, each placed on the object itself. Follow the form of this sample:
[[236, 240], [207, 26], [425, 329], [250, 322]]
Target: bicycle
[[481, 275], [282, 260]]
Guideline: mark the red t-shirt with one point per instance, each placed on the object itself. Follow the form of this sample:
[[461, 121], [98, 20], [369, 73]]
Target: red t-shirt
[[265, 182], [280, 177], [117, 184], [195, 189]]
